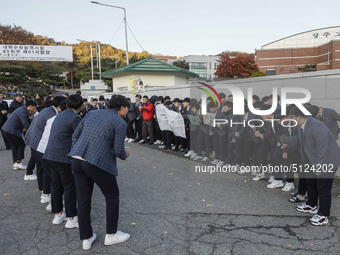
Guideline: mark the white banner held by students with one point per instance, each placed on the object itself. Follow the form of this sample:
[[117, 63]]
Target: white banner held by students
[[162, 118], [15, 52], [170, 120]]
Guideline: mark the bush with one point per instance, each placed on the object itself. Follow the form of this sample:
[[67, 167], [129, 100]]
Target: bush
[[257, 74]]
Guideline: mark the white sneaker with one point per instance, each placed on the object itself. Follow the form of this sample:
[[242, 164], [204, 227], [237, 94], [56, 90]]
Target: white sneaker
[[130, 140], [288, 187], [198, 158], [49, 207], [158, 142], [205, 159], [271, 179], [220, 163], [30, 177], [307, 208], [119, 237], [126, 139], [161, 146], [19, 166], [188, 154], [193, 155], [141, 141], [215, 161], [59, 218], [259, 176], [242, 169], [276, 184], [87, 243], [318, 220], [45, 198], [72, 222]]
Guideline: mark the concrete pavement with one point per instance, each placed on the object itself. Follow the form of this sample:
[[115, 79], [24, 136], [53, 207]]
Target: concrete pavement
[[168, 208]]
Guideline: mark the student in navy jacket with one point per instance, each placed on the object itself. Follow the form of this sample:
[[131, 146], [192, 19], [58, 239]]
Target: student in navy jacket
[[317, 147], [94, 152], [56, 153], [17, 124]]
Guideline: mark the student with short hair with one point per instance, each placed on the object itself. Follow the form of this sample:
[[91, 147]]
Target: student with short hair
[[56, 154], [17, 124], [94, 152], [147, 110], [317, 146]]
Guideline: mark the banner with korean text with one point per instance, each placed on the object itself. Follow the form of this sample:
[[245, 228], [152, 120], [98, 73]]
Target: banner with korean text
[[35, 53]]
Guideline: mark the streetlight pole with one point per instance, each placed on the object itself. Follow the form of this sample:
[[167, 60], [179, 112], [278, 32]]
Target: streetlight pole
[[126, 40]]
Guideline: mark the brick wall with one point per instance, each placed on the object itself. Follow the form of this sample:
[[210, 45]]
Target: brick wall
[[286, 61]]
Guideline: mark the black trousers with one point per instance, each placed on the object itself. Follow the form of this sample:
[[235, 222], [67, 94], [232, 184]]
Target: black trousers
[[130, 131], [43, 174], [277, 160], [31, 164], [138, 128], [63, 184], [34, 161], [238, 147], [251, 149], [220, 146], [204, 143], [187, 134], [85, 175], [17, 146], [7, 143], [157, 130], [319, 188], [302, 188]]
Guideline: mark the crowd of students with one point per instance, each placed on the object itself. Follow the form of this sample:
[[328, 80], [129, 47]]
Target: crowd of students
[[63, 137], [272, 141], [71, 152]]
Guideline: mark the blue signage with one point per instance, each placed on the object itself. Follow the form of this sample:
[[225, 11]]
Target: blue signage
[[13, 93], [93, 87]]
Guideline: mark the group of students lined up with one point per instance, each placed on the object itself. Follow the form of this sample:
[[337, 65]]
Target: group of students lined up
[[72, 153], [303, 144]]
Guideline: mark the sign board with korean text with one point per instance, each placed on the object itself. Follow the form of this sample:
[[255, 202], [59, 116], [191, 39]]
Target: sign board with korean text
[[35, 53]]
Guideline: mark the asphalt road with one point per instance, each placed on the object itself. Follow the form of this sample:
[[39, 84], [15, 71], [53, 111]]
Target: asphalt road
[[168, 208]]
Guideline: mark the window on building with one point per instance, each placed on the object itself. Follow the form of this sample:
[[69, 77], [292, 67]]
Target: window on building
[[199, 67], [270, 72]]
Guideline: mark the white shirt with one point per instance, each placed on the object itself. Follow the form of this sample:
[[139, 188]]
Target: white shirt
[[46, 135]]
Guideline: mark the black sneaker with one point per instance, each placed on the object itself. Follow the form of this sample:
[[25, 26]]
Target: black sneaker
[[296, 200]]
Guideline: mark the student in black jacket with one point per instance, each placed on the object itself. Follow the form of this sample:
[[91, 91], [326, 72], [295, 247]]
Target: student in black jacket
[[4, 110]]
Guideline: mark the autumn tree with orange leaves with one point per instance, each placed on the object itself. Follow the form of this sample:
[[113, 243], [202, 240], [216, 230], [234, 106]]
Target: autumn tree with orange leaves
[[241, 66]]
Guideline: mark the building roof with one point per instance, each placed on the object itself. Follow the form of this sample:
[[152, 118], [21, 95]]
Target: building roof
[[149, 65], [308, 39]]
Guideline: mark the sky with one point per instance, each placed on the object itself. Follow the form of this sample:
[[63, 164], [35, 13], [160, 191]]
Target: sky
[[176, 27]]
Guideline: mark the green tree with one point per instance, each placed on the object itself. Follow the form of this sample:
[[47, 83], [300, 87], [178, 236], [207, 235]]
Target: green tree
[[181, 64], [308, 68], [11, 75]]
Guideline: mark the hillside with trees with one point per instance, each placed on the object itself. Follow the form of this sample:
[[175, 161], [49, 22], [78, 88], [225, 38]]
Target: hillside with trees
[[29, 77]]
